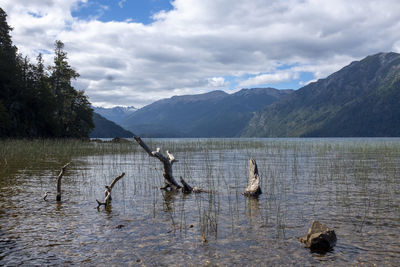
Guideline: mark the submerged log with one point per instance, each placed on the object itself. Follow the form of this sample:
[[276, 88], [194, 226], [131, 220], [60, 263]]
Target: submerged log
[[320, 238], [187, 189], [107, 192], [253, 189], [58, 197], [169, 179]]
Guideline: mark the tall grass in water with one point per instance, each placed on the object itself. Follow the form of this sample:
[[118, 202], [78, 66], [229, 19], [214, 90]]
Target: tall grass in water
[[301, 180], [22, 157], [37, 150]]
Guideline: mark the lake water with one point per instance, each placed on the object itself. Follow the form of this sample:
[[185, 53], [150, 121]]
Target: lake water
[[351, 185]]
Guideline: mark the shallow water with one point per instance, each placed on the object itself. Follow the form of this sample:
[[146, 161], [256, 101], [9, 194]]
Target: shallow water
[[352, 185]]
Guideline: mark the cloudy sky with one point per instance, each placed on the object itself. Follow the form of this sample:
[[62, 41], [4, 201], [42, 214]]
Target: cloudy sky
[[133, 52]]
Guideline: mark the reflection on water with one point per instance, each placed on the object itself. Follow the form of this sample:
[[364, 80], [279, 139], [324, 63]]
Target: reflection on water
[[352, 185]]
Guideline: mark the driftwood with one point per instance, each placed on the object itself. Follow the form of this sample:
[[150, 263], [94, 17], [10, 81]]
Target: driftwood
[[167, 162], [253, 189], [320, 238], [58, 197], [107, 200], [110, 187], [187, 189], [107, 192]]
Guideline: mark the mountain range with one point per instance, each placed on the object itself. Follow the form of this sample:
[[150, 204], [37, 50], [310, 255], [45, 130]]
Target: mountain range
[[116, 114], [213, 114], [360, 100]]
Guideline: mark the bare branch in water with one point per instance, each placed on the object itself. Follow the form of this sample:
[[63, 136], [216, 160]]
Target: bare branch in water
[[58, 197]]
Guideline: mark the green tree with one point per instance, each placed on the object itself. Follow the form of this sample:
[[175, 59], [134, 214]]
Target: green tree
[[45, 100], [26, 98], [73, 108], [3, 120], [39, 103], [8, 75], [81, 116]]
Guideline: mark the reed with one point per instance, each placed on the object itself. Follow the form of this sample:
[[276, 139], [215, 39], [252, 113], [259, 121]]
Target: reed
[[352, 183]]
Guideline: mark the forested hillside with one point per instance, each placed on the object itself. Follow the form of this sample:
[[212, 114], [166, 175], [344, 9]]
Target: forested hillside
[[360, 100], [107, 129], [39, 101]]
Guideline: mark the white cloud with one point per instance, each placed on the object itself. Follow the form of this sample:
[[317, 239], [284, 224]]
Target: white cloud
[[217, 82], [121, 3], [269, 78], [396, 47], [134, 64], [304, 83]]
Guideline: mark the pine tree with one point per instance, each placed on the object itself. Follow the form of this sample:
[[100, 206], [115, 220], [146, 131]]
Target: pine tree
[[8, 75], [73, 109], [35, 103], [45, 101]]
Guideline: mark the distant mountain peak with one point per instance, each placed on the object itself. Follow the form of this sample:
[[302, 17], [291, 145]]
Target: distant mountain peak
[[116, 114], [212, 114], [122, 108], [381, 58], [200, 97], [128, 109], [269, 90]]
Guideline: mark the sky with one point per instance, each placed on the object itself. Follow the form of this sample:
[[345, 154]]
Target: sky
[[134, 52]]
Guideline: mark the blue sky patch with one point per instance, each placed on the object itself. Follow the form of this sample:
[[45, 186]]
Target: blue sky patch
[[120, 10]]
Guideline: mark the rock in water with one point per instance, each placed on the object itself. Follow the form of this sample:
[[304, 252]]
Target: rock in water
[[320, 238]]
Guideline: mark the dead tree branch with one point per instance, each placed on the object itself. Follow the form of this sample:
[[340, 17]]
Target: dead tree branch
[[187, 189], [167, 163], [107, 200], [109, 188], [58, 197], [107, 192]]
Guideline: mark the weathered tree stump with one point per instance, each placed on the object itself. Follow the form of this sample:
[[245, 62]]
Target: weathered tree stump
[[167, 163], [58, 197], [107, 192], [320, 238], [253, 189]]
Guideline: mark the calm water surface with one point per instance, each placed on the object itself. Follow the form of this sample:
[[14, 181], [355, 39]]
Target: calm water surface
[[352, 185]]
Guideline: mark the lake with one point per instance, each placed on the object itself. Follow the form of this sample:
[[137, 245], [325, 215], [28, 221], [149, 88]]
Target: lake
[[350, 184]]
